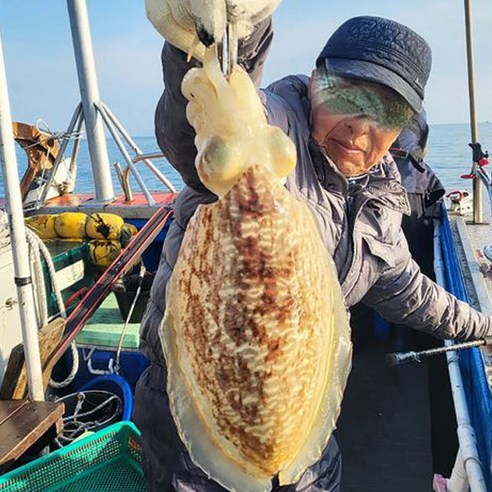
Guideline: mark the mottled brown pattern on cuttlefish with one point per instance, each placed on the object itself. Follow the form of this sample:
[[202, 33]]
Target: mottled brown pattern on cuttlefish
[[239, 324], [257, 260], [233, 382]]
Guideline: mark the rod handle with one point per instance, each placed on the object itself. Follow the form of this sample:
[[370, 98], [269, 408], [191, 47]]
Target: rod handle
[[397, 358]]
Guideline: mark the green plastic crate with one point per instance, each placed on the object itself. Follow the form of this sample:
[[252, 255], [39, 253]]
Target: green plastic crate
[[106, 461]]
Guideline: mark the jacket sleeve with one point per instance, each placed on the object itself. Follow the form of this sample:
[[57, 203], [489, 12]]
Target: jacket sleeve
[[404, 295], [174, 134]]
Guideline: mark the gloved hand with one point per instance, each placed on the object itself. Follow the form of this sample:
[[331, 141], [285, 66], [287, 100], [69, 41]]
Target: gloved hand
[[248, 13], [190, 25]]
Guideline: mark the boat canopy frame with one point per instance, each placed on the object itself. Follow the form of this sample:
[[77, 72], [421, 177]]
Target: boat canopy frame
[[96, 115]]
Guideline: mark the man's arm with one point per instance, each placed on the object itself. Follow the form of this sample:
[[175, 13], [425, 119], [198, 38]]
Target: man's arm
[[404, 295], [175, 135]]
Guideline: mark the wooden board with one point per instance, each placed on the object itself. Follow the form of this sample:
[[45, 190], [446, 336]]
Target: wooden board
[[9, 407], [22, 424], [14, 385]]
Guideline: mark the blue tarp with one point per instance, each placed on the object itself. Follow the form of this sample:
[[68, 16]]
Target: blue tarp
[[477, 390]]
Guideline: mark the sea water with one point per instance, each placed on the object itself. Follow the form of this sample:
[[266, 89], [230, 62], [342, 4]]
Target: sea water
[[448, 155]]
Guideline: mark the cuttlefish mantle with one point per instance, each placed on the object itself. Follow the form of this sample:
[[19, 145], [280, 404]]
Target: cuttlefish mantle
[[255, 333]]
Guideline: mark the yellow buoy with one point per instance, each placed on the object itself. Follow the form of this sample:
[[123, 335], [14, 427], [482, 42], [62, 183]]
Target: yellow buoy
[[71, 224], [43, 225], [129, 228], [126, 234], [104, 226], [103, 252]]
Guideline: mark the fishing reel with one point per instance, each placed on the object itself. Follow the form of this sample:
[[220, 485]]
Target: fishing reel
[[480, 160], [461, 202]]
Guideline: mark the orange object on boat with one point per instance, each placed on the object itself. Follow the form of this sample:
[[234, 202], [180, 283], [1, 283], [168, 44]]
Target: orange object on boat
[[41, 150]]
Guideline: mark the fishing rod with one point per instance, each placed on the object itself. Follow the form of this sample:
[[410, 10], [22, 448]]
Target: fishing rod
[[397, 358]]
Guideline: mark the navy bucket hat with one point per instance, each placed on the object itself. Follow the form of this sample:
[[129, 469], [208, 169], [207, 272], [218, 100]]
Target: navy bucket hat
[[381, 51]]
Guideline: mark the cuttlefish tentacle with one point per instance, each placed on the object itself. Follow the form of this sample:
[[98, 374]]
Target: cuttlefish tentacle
[[232, 129]]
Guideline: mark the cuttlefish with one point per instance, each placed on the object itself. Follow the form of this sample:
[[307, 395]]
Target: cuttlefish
[[255, 333]]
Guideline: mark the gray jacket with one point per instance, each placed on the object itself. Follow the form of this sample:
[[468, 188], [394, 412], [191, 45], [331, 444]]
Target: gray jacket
[[360, 221]]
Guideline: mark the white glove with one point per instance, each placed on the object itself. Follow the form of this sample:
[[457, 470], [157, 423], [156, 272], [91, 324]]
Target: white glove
[[248, 13], [184, 22]]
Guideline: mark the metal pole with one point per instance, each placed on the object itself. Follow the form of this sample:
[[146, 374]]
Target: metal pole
[[20, 251], [135, 148], [76, 145], [458, 481], [89, 92], [76, 119], [477, 187], [125, 155]]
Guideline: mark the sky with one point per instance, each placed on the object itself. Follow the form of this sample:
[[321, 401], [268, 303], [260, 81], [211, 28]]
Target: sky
[[42, 77]]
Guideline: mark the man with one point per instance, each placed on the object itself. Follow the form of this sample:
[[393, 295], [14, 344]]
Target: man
[[424, 191], [368, 83]]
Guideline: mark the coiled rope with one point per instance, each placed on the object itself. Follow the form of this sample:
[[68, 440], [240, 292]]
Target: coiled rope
[[43, 127], [76, 424], [38, 248]]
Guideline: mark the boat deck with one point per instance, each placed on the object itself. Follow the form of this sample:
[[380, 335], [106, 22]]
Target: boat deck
[[138, 208], [391, 431], [384, 431]]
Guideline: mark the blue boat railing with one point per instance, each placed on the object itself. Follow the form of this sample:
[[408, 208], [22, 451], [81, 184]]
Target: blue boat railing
[[476, 386]]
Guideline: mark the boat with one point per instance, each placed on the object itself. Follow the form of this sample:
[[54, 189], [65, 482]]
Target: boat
[[75, 283], [412, 432]]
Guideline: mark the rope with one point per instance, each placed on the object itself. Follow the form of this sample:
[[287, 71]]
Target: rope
[[73, 372], [37, 268], [98, 372], [130, 312], [43, 127], [76, 415], [114, 365], [38, 248], [73, 427]]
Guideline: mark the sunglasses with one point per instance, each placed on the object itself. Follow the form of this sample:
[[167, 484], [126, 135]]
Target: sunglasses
[[375, 102]]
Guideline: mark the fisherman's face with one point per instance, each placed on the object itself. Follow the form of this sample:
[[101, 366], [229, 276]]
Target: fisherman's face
[[354, 143], [356, 130]]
